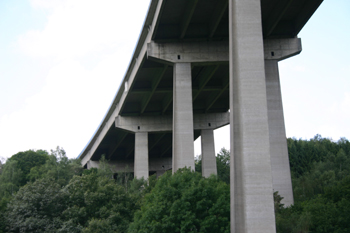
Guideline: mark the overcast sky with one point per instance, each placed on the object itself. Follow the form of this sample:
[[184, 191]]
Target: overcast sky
[[62, 61]]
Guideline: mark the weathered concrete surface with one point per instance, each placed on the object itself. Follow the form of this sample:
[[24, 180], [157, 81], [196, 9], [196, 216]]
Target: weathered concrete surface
[[217, 51], [277, 50], [158, 165], [208, 153], [165, 123], [193, 52], [141, 155], [278, 143], [280, 49], [183, 147], [252, 206]]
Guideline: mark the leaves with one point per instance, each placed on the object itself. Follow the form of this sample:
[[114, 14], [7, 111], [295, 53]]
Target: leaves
[[36, 207], [185, 202]]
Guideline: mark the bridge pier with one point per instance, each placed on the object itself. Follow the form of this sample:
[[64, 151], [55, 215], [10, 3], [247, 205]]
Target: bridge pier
[[277, 50], [252, 206], [281, 177], [195, 36], [183, 147], [208, 153], [206, 123], [141, 168]]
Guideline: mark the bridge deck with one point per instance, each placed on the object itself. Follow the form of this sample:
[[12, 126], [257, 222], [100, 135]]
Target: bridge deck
[[147, 88]]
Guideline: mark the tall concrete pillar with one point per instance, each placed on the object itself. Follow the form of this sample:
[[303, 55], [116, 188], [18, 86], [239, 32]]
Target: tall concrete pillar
[[281, 177], [252, 206], [183, 147], [208, 153], [141, 155]]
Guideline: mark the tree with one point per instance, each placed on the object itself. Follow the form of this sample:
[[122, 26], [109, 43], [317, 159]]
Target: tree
[[10, 178], [27, 160], [96, 201], [185, 202], [2, 161], [321, 185], [222, 164], [36, 207], [58, 166]]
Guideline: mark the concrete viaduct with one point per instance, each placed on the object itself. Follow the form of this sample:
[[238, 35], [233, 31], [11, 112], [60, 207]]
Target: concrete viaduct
[[200, 65]]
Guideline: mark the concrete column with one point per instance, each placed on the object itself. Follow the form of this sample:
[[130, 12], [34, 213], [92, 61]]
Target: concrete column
[[252, 206], [141, 155], [281, 177], [183, 147], [208, 153]]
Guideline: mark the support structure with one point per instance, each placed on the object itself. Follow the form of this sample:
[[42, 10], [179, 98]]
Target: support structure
[[183, 147], [252, 206], [141, 126], [141, 155], [184, 47], [276, 50], [208, 153]]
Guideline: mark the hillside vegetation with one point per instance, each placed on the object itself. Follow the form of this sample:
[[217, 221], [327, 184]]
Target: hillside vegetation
[[47, 192]]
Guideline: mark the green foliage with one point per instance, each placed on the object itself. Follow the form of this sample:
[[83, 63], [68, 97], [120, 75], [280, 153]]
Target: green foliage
[[321, 186], [222, 164], [36, 207], [322, 175], [57, 167], [98, 226], [3, 206], [1, 164], [10, 178], [185, 202], [96, 200], [303, 154], [91, 202], [58, 196], [27, 160]]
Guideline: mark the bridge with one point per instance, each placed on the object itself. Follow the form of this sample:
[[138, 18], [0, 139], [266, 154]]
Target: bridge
[[200, 65]]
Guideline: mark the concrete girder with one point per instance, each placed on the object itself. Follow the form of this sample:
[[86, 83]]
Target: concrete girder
[[274, 18], [217, 16], [215, 97], [308, 9], [155, 83], [188, 52], [280, 49], [166, 102], [217, 51], [116, 145], [189, 10], [169, 90], [165, 123], [128, 85], [165, 149], [157, 140], [208, 71]]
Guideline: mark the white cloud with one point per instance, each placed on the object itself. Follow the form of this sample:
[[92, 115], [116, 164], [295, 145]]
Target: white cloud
[[91, 43], [78, 27], [67, 110]]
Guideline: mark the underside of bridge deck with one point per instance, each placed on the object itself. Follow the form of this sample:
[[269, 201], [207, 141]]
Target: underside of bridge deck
[[191, 57], [151, 92]]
